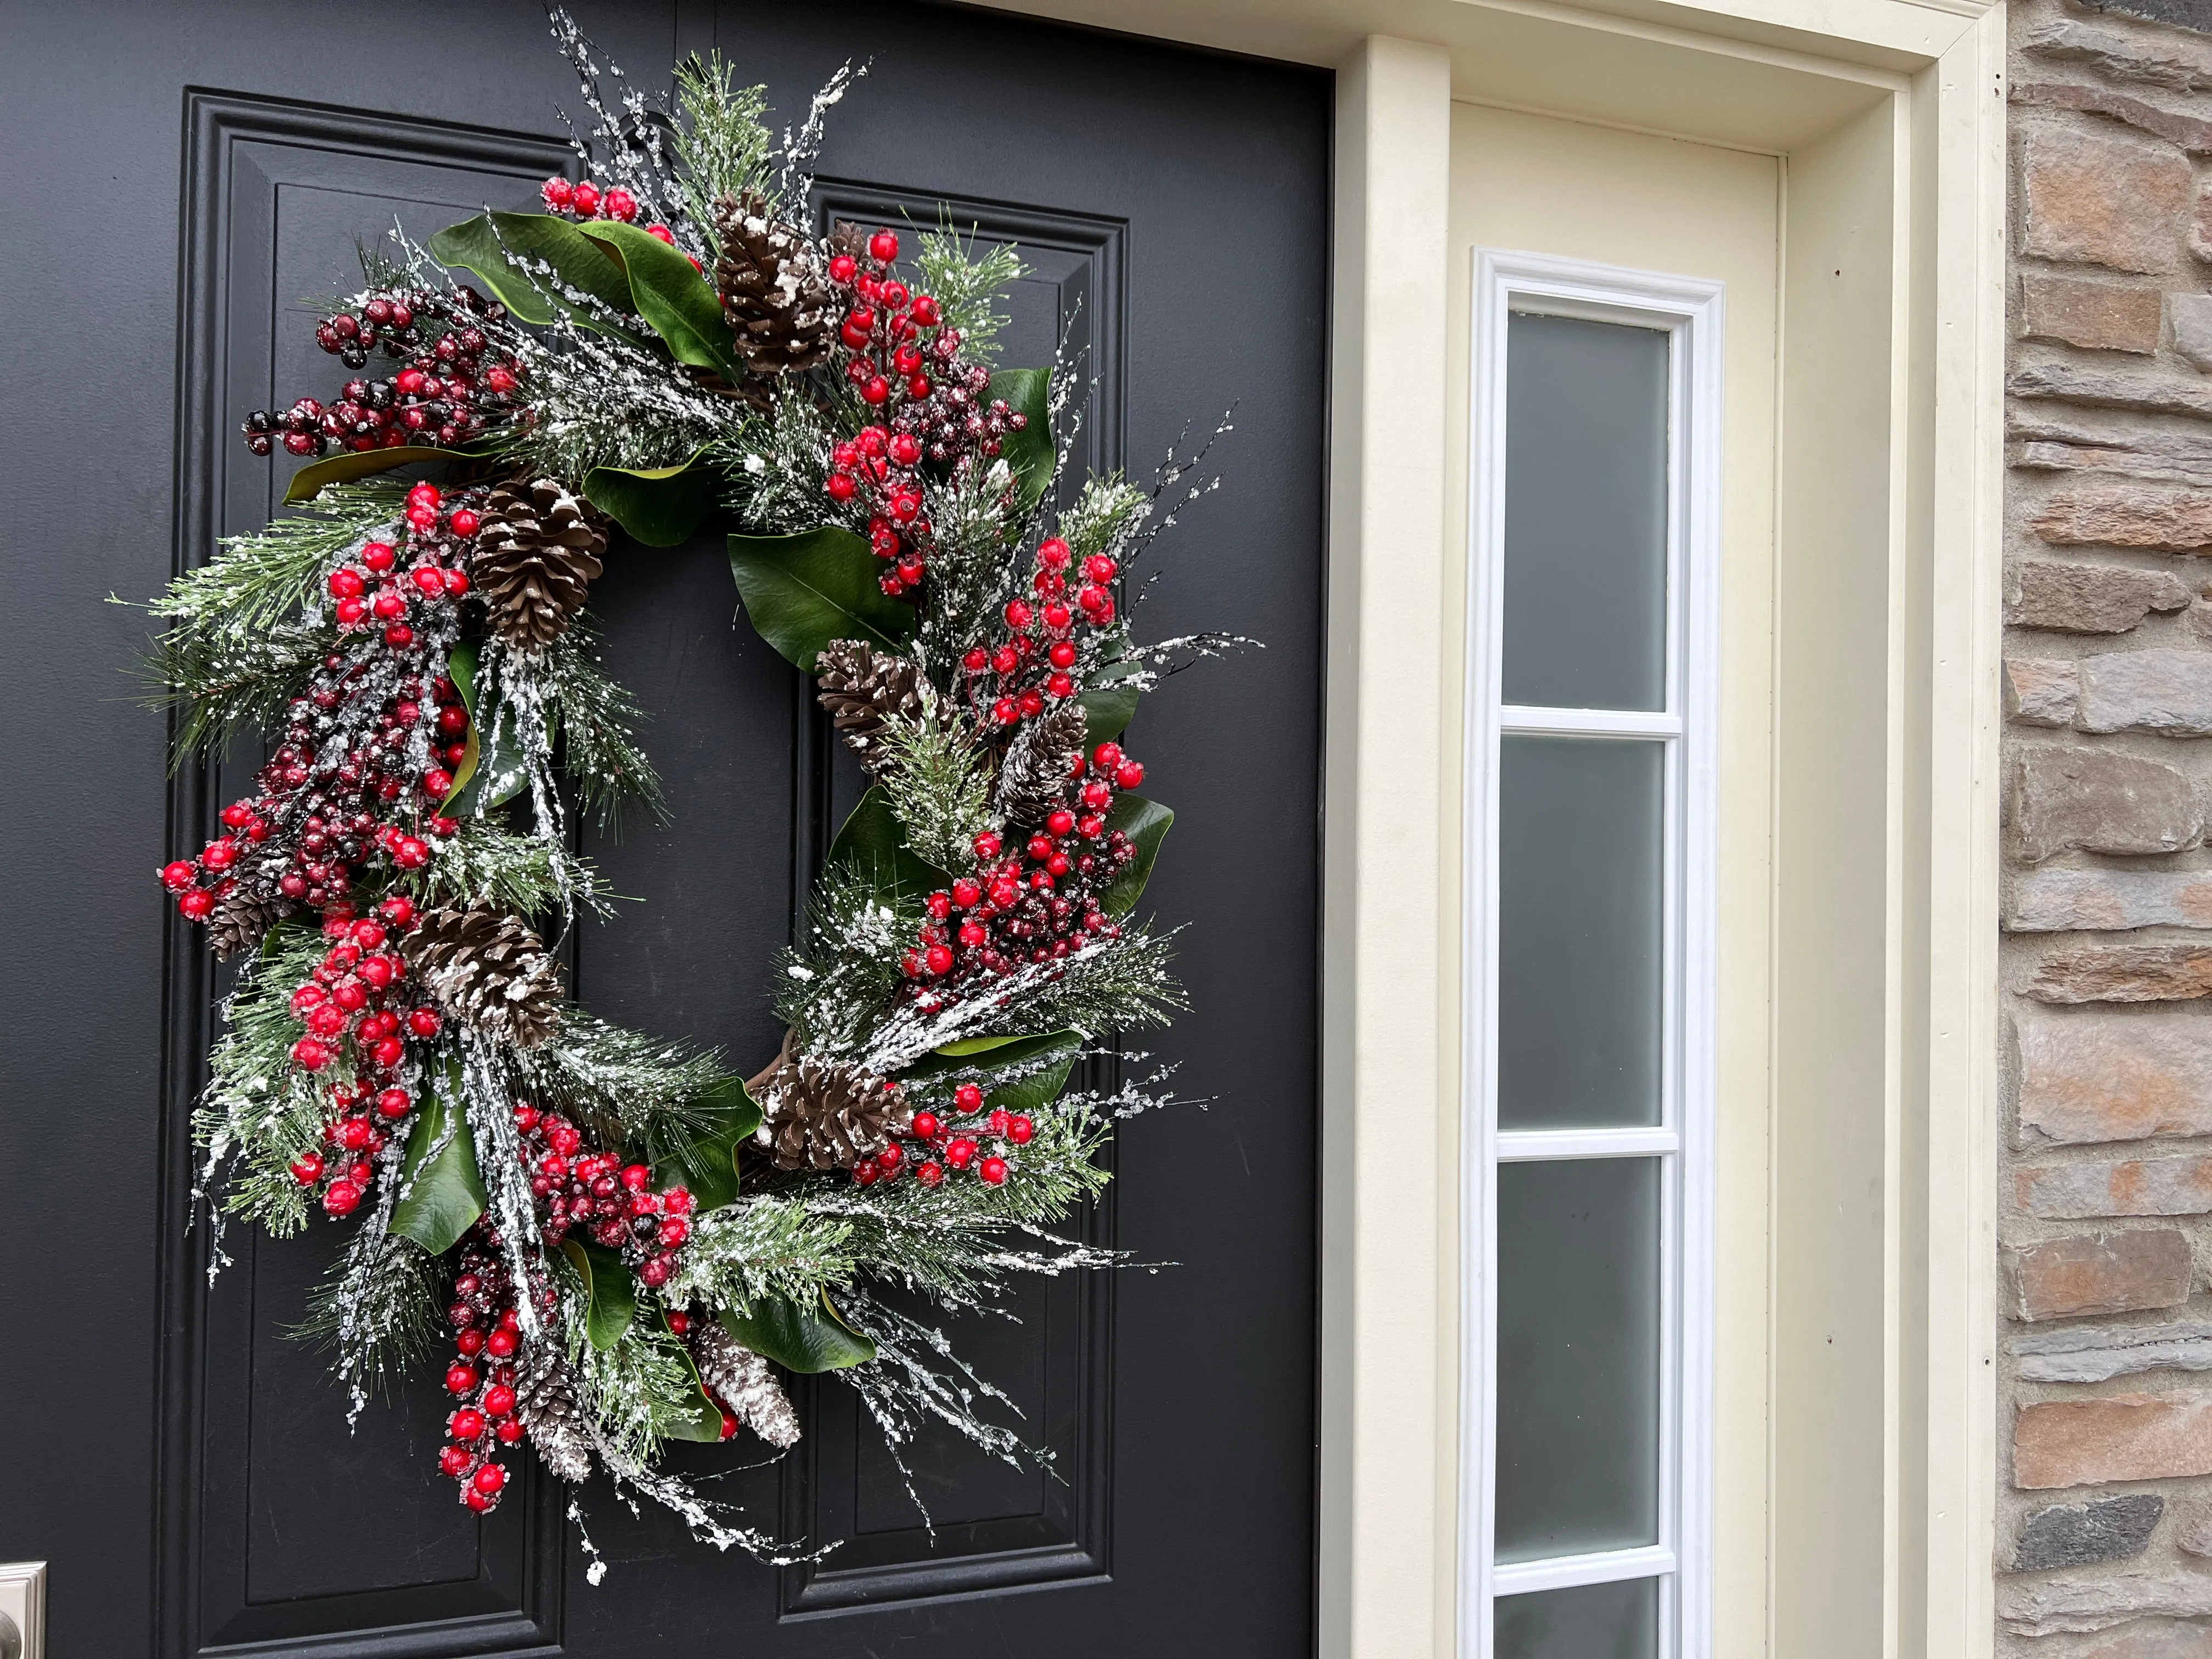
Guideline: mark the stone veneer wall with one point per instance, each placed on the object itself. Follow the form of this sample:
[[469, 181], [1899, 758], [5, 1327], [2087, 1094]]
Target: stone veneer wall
[[2104, 1356]]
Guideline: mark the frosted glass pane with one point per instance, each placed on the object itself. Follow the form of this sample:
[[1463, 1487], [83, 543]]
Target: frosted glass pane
[[1578, 1356], [1585, 621], [1595, 1622], [1579, 846]]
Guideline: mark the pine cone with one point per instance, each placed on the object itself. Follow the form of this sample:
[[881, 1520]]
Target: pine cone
[[742, 1381], [240, 921], [817, 1114], [536, 554], [545, 1400], [487, 970], [775, 293], [862, 689], [1040, 765]]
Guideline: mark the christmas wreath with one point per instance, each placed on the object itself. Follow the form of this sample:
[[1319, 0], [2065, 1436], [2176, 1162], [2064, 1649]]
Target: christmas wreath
[[618, 1241]]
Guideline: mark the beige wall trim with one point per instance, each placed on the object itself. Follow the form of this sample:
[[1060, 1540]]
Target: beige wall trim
[[1385, 1472]]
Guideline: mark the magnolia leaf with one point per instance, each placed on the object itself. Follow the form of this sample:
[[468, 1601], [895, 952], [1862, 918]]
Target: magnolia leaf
[[669, 293], [1146, 824], [1057, 1051], [489, 243], [804, 591], [506, 775], [707, 1162], [1110, 702], [612, 1299], [871, 837], [806, 1337], [659, 505], [444, 1196], [349, 464], [1029, 452], [705, 1422]]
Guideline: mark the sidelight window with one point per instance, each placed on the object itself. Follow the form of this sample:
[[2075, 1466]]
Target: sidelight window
[[1588, 1110]]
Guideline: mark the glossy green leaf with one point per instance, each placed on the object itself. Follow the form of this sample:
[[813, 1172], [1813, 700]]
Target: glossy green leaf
[[670, 295], [476, 781], [487, 243], [804, 1337], [1029, 452], [707, 1162], [443, 1197], [804, 591], [1054, 1053], [1146, 824], [871, 838], [1111, 704], [613, 1298], [349, 464], [705, 1422], [659, 505]]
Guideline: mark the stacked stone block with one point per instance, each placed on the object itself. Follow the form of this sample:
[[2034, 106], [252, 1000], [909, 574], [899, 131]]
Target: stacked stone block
[[2104, 1511]]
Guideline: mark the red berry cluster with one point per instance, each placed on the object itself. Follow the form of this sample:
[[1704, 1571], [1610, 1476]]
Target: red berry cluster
[[488, 1335], [590, 200], [375, 736], [356, 1004], [595, 1192], [895, 338], [452, 387], [937, 1150], [1035, 663]]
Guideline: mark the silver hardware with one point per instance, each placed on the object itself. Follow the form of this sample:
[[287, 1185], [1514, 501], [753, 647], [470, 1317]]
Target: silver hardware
[[22, 1610]]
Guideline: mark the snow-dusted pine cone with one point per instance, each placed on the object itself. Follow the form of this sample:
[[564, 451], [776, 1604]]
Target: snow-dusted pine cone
[[538, 553], [240, 921], [545, 1400], [862, 688], [775, 293], [818, 1115], [743, 1382], [487, 970], [1040, 765]]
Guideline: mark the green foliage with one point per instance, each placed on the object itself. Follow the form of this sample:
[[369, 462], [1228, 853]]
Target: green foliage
[[647, 1094], [640, 1391], [706, 1160], [610, 1298], [1104, 512], [523, 875], [597, 718], [939, 783], [1030, 452], [801, 591], [773, 463], [378, 1311], [679, 303], [723, 147], [260, 1111], [541, 266], [1146, 822], [967, 285], [802, 1335], [835, 984], [440, 1192], [235, 651], [659, 505]]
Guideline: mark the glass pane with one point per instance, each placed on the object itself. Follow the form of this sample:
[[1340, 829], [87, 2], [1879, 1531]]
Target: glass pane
[[1595, 1622], [1585, 514], [1577, 1357], [1579, 846]]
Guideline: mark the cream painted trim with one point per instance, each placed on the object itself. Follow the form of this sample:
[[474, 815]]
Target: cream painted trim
[[1385, 1477]]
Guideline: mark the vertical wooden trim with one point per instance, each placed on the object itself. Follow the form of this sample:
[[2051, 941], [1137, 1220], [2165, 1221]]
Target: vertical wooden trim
[[1383, 1585]]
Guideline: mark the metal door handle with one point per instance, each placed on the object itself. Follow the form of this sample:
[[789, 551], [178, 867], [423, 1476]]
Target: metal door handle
[[11, 1639]]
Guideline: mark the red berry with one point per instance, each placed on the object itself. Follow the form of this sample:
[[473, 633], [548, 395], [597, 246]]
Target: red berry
[[677, 1200], [557, 193], [960, 1153], [498, 1401], [342, 1198], [925, 1125], [883, 247], [636, 1176], [395, 1104], [307, 1169], [841, 268], [1019, 614], [729, 1423], [993, 1171], [840, 487], [930, 1173], [178, 876], [488, 1479], [464, 522], [423, 1022], [1100, 568], [465, 1424], [674, 1232], [890, 1158], [619, 203], [939, 959], [1128, 775], [454, 1462], [196, 904], [1020, 1130], [988, 844], [877, 389], [968, 1098], [661, 232], [510, 1432], [307, 1054], [585, 199], [679, 1322]]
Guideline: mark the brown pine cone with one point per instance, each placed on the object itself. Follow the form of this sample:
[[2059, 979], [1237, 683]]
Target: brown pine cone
[[775, 293], [862, 689], [536, 554], [1040, 765], [240, 921], [546, 1400], [817, 1114], [487, 970], [743, 1382]]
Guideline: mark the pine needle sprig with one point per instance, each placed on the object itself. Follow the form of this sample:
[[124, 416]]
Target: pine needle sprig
[[937, 782], [721, 145], [526, 876], [599, 719], [378, 1310], [626, 1087], [967, 285], [636, 1392], [836, 983]]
